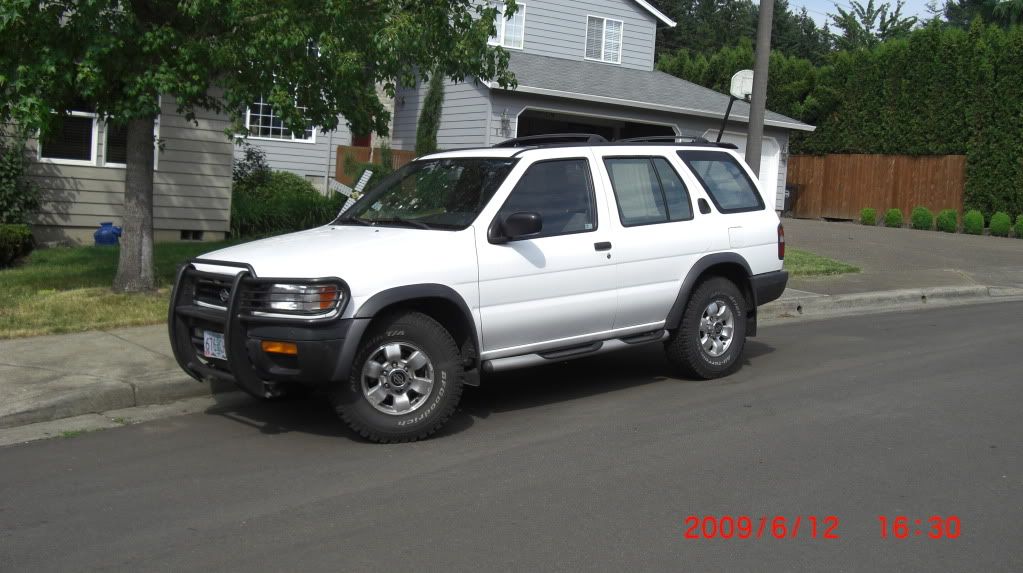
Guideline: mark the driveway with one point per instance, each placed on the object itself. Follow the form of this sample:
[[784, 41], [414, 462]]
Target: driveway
[[904, 258], [589, 465]]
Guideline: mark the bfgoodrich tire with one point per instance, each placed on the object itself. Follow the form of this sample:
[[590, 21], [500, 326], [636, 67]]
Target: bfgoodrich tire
[[709, 342], [406, 380]]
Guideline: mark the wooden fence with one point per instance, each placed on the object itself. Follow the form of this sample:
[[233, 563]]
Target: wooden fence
[[362, 155], [839, 186]]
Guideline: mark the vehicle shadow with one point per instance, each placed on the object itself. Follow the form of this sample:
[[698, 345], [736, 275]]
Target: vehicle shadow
[[499, 393]]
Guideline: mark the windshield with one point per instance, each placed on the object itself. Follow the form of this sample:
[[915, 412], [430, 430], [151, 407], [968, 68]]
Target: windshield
[[436, 193]]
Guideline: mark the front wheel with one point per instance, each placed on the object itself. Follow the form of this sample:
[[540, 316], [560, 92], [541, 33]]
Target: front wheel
[[406, 380], [709, 342]]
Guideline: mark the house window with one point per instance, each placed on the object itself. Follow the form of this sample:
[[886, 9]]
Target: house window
[[73, 141], [115, 148], [511, 32], [263, 124], [604, 39]]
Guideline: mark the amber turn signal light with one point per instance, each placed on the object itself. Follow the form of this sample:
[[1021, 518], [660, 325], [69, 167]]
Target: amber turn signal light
[[275, 347]]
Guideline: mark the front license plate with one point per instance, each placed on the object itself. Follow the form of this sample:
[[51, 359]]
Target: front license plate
[[213, 345]]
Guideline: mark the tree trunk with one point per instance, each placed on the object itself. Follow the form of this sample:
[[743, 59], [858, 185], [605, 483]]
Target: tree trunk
[[135, 266]]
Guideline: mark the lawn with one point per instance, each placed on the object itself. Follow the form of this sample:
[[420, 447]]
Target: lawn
[[67, 289], [807, 264]]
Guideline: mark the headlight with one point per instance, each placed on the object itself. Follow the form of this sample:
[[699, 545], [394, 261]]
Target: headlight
[[303, 299]]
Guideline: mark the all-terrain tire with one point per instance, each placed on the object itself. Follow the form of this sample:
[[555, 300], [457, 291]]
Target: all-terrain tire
[[686, 348], [408, 332]]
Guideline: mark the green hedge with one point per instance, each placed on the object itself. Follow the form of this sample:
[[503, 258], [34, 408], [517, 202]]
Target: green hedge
[[868, 217], [284, 203], [1000, 224], [922, 219], [973, 222], [15, 243], [1018, 227], [948, 221], [893, 218]]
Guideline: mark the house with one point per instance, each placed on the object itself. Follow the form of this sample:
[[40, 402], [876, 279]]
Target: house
[[588, 66], [79, 170]]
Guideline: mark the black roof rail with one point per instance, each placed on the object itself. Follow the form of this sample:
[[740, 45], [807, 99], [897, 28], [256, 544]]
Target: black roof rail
[[553, 138], [664, 138]]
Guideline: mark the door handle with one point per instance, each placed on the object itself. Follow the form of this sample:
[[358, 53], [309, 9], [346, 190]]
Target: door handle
[[604, 246]]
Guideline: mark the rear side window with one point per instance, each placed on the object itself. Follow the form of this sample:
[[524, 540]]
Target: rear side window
[[727, 183], [647, 191], [561, 191]]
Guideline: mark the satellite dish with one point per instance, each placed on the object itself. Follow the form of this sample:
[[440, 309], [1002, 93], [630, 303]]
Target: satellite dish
[[742, 84]]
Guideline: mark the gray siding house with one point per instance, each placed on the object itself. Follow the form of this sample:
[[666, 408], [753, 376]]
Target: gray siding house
[[588, 66], [80, 173]]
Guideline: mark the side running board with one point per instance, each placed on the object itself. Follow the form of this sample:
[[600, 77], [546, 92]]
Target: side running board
[[571, 352]]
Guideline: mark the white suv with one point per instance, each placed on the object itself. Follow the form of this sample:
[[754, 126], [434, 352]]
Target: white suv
[[465, 262]]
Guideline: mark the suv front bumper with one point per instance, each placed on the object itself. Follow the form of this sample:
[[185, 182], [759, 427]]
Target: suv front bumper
[[323, 356]]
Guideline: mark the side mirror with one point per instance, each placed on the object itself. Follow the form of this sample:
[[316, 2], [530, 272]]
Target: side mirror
[[515, 226]]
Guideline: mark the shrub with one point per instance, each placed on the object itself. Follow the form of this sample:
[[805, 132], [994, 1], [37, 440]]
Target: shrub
[[868, 216], [251, 169], [948, 221], [973, 222], [284, 204], [922, 219], [1000, 224], [18, 197], [1018, 227], [15, 242], [893, 218]]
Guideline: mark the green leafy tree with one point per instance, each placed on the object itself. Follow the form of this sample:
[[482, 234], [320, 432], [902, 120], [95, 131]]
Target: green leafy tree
[[1008, 12], [429, 117], [866, 26], [311, 60], [960, 13]]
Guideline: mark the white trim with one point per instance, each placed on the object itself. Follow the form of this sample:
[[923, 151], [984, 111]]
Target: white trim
[[673, 126], [499, 39], [95, 142], [657, 13], [649, 105], [248, 126], [603, 39]]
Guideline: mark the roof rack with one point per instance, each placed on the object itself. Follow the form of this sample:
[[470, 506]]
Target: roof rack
[[583, 138], [664, 138]]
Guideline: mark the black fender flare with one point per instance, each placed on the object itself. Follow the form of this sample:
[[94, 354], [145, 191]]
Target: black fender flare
[[678, 308], [371, 308]]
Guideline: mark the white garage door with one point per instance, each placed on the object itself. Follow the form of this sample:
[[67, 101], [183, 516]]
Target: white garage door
[[770, 163]]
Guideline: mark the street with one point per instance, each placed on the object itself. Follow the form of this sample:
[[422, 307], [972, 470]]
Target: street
[[588, 465]]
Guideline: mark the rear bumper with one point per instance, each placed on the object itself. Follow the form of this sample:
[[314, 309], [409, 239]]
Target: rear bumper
[[324, 356], [768, 286]]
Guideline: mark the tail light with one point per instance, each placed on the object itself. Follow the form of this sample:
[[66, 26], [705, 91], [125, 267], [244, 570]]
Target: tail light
[[781, 242]]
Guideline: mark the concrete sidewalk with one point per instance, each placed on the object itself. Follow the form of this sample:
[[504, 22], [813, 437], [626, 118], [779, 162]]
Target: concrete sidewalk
[[892, 259], [52, 377]]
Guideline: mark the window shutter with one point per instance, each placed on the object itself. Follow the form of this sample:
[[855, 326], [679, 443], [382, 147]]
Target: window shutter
[[594, 37]]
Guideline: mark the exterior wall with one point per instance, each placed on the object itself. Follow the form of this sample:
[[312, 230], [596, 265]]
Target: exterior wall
[[313, 160], [463, 121], [558, 28], [191, 184]]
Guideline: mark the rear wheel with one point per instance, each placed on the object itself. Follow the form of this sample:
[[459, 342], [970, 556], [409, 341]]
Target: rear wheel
[[709, 342], [406, 380]]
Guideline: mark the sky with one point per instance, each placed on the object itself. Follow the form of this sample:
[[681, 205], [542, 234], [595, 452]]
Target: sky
[[819, 9]]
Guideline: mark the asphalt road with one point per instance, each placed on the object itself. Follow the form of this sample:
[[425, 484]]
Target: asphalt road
[[593, 465]]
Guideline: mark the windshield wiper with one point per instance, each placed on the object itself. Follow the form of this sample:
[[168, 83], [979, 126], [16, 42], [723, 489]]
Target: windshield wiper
[[406, 222], [356, 220]]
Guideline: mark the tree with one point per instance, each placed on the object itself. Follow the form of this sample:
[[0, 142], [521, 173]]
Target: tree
[[960, 13], [867, 26], [1008, 12], [429, 118], [310, 60]]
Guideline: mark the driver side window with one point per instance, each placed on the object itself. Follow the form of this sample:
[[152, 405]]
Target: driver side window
[[561, 191]]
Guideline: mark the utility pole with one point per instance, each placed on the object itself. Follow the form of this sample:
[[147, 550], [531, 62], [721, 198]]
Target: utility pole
[[758, 101]]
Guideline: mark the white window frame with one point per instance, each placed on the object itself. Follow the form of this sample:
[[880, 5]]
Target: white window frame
[[95, 142], [603, 36], [248, 126], [156, 146], [499, 39]]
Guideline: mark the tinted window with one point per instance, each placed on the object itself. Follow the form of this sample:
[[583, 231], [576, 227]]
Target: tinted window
[[725, 180], [647, 191], [561, 192]]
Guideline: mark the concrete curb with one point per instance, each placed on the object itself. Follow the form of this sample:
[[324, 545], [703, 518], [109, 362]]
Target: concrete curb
[[825, 306]]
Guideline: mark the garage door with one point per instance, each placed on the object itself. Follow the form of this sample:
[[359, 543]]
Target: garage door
[[770, 163]]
